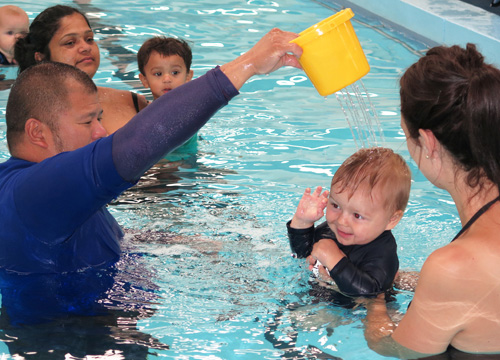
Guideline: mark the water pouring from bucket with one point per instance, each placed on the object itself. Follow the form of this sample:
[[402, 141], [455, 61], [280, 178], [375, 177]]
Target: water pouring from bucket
[[334, 61], [332, 56]]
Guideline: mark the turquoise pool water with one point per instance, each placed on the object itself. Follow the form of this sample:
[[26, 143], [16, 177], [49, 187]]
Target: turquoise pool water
[[207, 233]]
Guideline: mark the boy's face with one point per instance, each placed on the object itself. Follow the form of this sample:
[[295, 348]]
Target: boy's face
[[13, 25], [164, 73], [360, 219]]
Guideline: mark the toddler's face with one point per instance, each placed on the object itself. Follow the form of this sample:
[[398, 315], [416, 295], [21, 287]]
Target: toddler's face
[[360, 219], [12, 26], [164, 73]]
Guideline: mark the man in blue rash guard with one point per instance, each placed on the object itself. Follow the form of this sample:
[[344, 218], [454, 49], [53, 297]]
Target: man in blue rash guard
[[64, 170]]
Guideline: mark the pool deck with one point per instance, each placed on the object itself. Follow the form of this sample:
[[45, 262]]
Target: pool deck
[[446, 22]]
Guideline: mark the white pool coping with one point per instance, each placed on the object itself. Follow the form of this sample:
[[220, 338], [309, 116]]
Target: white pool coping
[[446, 22]]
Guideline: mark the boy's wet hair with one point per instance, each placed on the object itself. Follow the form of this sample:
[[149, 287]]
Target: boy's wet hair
[[376, 167], [165, 46]]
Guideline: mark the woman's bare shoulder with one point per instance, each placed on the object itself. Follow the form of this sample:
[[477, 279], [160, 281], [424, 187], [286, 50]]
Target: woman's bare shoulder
[[118, 107], [464, 263], [443, 271], [119, 96]]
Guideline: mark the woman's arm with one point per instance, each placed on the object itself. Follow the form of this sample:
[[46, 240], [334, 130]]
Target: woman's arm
[[437, 313], [379, 328]]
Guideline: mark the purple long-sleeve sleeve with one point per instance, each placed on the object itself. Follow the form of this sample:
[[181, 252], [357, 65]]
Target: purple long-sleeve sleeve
[[168, 122]]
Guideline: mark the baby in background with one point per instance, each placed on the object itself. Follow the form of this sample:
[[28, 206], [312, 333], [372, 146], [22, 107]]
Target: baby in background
[[164, 64], [355, 247], [14, 23]]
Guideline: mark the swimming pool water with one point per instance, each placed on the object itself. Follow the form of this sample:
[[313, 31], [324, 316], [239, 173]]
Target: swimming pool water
[[206, 231]]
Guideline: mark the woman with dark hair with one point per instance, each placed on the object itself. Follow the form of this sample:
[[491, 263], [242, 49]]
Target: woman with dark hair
[[63, 34], [450, 114]]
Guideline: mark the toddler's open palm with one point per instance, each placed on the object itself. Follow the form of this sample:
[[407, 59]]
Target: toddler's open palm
[[312, 205]]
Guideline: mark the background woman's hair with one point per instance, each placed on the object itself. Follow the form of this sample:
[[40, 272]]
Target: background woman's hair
[[42, 29]]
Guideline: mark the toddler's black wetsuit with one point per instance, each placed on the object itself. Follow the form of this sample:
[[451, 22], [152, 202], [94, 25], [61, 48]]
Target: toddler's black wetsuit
[[367, 270]]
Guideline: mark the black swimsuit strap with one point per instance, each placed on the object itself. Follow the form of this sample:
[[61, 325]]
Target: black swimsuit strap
[[135, 99], [476, 216]]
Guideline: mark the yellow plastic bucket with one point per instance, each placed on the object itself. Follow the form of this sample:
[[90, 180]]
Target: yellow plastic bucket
[[332, 56]]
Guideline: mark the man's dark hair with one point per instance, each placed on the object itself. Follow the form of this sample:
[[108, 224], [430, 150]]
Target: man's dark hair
[[41, 92]]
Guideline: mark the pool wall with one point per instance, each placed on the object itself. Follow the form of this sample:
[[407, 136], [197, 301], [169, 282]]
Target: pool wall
[[446, 22]]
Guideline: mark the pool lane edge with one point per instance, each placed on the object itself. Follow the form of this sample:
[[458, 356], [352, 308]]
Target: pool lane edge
[[446, 22]]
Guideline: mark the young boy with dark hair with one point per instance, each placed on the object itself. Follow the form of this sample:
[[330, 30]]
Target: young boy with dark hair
[[164, 64]]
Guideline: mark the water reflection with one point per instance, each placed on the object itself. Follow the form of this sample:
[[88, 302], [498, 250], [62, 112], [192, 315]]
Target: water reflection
[[113, 336], [74, 315], [171, 174]]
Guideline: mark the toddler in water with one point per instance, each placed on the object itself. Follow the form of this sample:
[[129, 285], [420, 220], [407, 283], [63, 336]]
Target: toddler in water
[[354, 247], [14, 23], [164, 64]]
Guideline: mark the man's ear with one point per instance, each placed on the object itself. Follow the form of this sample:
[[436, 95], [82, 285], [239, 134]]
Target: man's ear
[[35, 132], [144, 81], [394, 220], [39, 56]]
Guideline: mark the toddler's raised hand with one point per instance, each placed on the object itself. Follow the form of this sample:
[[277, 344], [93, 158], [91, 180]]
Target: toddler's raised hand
[[310, 209]]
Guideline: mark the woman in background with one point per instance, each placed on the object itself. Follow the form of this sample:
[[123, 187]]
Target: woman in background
[[63, 34]]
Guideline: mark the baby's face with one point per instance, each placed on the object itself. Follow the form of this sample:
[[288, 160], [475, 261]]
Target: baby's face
[[164, 73], [359, 219], [12, 26]]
